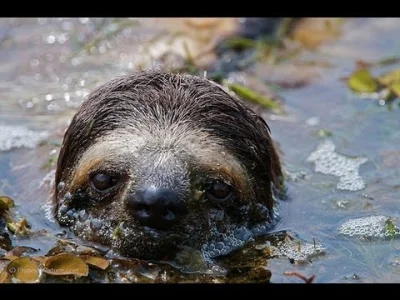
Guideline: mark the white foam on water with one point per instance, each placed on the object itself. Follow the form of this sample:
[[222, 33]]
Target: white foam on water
[[370, 227], [327, 161], [12, 137]]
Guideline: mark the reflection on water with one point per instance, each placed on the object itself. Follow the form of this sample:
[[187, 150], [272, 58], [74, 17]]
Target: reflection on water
[[48, 66]]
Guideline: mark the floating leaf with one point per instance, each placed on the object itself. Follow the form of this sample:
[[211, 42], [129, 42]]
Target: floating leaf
[[19, 228], [66, 264], [25, 269], [4, 277], [389, 61], [18, 251], [5, 241], [96, 261], [322, 133], [389, 78], [9, 257], [395, 87], [248, 94], [362, 81], [40, 259], [6, 202]]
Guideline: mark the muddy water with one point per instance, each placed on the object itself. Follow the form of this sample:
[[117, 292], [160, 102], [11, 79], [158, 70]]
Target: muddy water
[[47, 66]]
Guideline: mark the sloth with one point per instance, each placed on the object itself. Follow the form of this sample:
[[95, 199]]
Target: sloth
[[156, 162]]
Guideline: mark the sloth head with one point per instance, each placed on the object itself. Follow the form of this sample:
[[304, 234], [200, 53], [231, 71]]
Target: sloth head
[[153, 162]]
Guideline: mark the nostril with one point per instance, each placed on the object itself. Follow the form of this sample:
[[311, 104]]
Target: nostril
[[156, 207], [168, 215], [142, 209]]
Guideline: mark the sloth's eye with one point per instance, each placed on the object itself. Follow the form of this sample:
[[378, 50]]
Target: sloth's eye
[[102, 182], [219, 191]]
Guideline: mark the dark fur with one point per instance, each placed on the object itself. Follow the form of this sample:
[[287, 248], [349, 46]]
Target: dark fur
[[182, 97]]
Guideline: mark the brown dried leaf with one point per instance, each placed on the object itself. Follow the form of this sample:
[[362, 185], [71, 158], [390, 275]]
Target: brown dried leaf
[[66, 264], [96, 261], [20, 250], [25, 269], [5, 241]]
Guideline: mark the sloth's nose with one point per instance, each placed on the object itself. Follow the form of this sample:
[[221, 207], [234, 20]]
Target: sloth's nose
[[156, 207]]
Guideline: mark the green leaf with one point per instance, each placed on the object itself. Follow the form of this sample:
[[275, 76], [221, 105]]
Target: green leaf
[[361, 81], [248, 94]]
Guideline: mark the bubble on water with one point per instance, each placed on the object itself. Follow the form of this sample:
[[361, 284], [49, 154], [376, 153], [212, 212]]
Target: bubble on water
[[62, 38], [19, 137], [227, 243], [327, 161], [371, 227], [83, 215], [299, 250], [76, 61], [313, 121], [102, 49], [34, 63], [50, 39], [96, 223], [29, 104], [60, 185], [67, 97], [53, 107]]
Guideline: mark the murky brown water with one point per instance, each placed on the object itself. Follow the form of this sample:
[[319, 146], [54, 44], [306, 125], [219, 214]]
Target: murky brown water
[[47, 66]]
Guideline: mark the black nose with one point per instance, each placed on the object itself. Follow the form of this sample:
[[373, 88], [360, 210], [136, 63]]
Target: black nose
[[156, 207]]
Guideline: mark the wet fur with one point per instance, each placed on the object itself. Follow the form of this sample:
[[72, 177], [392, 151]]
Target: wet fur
[[164, 115]]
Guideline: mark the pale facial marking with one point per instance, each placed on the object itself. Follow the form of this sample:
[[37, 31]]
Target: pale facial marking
[[128, 142]]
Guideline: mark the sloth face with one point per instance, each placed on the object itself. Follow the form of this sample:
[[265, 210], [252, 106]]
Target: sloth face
[[154, 162]]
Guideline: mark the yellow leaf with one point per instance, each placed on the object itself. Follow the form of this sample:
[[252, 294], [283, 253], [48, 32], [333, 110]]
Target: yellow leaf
[[96, 261], [25, 269], [253, 96], [7, 201], [40, 259], [361, 81], [4, 277], [65, 264], [395, 87], [9, 257], [389, 78], [19, 228]]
